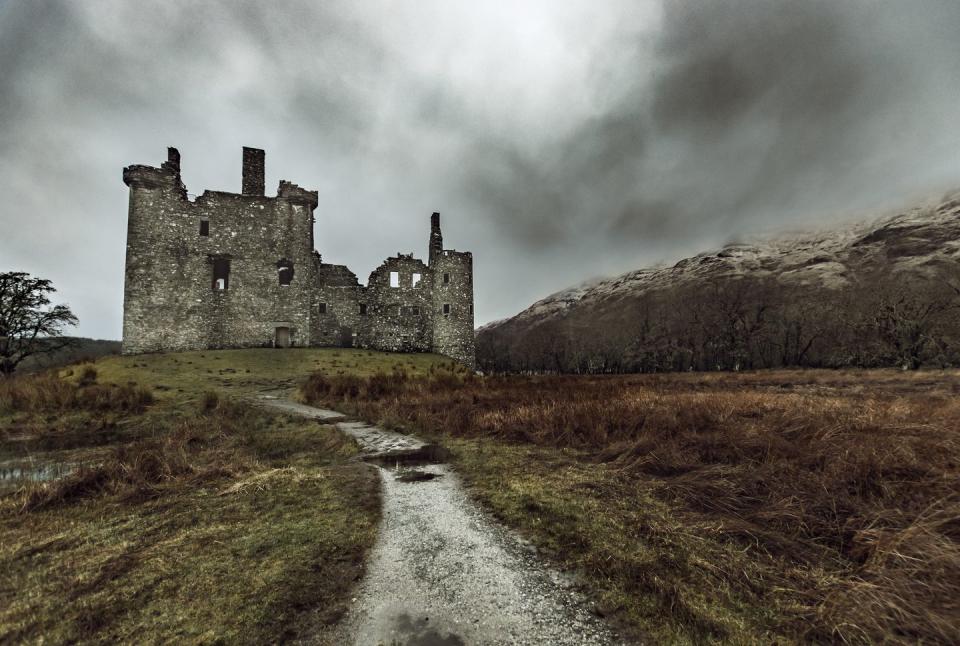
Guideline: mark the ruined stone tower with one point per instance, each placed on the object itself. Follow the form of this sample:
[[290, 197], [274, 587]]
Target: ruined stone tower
[[231, 270]]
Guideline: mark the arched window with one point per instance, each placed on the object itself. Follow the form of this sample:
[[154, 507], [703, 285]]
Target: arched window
[[285, 271]]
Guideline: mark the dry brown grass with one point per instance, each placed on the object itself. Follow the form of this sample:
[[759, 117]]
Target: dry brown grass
[[199, 448], [47, 392], [854, 473]]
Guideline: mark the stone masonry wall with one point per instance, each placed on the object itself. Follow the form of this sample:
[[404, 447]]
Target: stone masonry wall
[[177, 248], [399, 313], [171, 301], [337, 304], [453, 306]]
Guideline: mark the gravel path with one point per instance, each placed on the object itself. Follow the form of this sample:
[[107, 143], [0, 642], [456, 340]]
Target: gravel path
[[443, 573]]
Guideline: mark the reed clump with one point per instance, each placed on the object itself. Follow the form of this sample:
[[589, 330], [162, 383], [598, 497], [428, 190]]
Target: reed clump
[[194, 447]]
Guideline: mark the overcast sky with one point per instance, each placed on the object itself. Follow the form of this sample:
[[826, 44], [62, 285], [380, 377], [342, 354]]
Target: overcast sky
[[559, 140]]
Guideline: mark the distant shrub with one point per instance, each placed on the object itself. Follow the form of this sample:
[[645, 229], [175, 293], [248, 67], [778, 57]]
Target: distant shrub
[[88, 376], [209, 401]]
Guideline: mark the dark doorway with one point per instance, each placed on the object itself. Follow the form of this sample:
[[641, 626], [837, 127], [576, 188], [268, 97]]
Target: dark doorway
[[346, 337], [282, 339]]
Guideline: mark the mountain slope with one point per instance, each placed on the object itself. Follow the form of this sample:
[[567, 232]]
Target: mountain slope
[[919, 248]]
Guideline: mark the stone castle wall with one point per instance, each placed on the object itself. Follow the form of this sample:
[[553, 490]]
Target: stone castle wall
[[239, 270], [453, 305]]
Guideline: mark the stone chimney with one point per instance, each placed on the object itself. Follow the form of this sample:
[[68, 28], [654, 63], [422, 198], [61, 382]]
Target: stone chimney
[[436, 238], [253, 171], [173, 160]]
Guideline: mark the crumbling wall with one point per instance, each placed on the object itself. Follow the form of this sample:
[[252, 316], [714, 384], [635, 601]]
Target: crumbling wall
[[240, 270], [337, 306], [398, 304]]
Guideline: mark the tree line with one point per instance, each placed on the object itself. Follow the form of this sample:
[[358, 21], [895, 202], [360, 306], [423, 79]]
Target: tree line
[[884, 319]]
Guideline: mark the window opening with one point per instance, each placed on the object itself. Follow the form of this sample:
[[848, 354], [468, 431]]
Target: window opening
[[446, 308], [416, 279], [284, 271], [322, 308], [394, 279], [204, 227], [363, 309], [446, 279], [221, 274]]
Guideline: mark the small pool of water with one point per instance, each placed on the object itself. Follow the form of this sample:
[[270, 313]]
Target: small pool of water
[[15, 473]]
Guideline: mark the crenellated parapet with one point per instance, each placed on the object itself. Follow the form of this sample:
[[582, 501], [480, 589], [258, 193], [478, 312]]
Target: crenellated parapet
[[149, 177], [167, 176]]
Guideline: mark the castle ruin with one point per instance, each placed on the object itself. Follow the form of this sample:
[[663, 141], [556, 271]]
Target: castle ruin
[[230, 270]]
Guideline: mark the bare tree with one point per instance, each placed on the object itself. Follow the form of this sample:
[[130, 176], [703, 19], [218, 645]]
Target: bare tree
[[28, 325], [907, 315]]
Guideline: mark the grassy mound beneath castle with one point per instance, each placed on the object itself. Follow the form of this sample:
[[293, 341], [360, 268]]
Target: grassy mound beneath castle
[[258, 370], [777, 507], [145, 499]]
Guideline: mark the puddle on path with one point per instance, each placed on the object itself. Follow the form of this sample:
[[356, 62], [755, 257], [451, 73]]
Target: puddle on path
[[414, 475], [419, 632], [420, 456]]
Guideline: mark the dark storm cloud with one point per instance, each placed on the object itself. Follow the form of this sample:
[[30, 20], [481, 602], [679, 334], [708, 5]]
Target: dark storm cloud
[[559, 140], [721, 60], [742, 114]]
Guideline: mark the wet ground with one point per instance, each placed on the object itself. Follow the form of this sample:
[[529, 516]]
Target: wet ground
[[442, 572], [15, 473]]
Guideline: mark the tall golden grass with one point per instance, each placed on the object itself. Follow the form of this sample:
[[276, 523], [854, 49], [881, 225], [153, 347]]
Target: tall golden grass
[[197, 447], [855, 472], [47, 392]]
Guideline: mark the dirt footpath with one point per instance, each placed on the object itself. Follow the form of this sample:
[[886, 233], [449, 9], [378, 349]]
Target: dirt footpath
[[442, 572]]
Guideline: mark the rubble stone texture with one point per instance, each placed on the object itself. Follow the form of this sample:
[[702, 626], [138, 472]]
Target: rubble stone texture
[[230, 270]]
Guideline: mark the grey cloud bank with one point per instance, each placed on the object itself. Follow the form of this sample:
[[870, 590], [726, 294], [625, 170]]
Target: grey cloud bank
[[559, 140]]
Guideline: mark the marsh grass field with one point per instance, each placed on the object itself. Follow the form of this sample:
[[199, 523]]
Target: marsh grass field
[[782, 506]]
